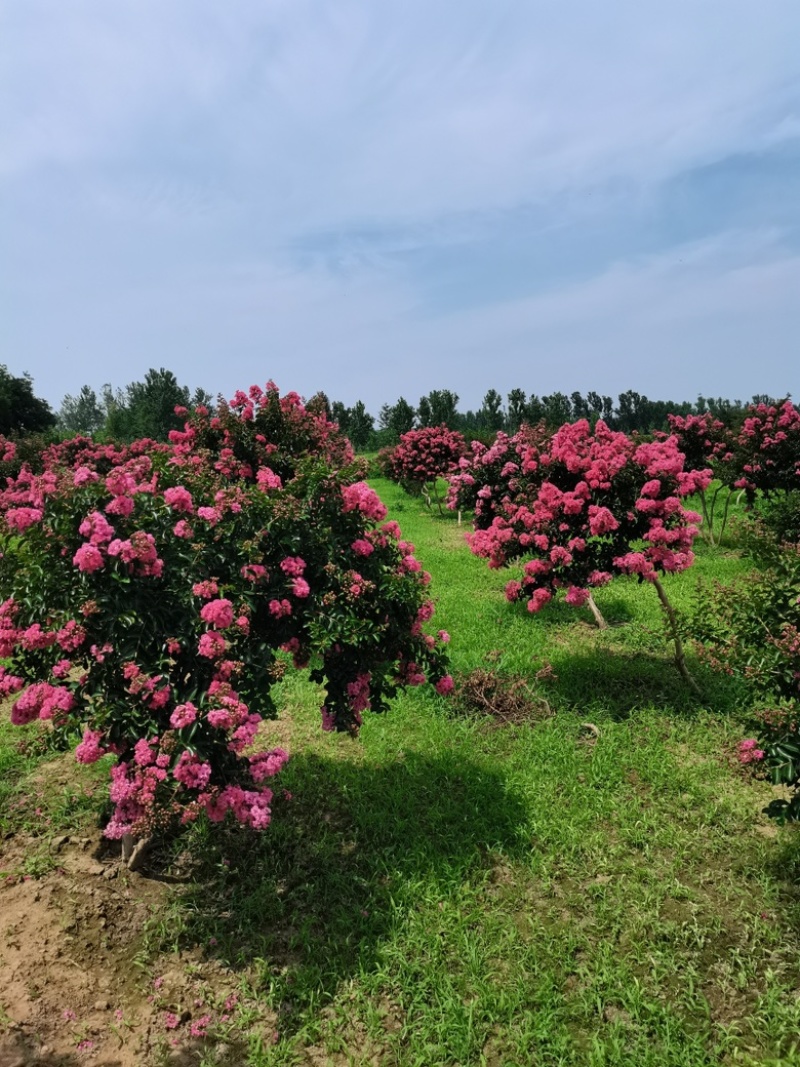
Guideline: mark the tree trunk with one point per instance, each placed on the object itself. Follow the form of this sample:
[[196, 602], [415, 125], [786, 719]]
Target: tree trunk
[[134, 850], [672, 621], [598, 615]]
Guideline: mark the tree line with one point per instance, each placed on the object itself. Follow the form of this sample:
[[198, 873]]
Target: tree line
[[631, 411], [147, 409]]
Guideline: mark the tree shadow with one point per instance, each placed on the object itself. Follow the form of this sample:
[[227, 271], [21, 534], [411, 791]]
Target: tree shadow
[[312, 899], [617, 682], [616, 611]]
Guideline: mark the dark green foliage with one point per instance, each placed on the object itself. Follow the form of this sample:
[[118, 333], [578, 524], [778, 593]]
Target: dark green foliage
[[752, 629], [21, 411], [82, 413], [147, 409]]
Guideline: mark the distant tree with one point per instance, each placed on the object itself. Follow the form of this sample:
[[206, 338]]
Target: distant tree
[[628, 413], [82, 413], [147, 408], [361, 425], [201, 398], [600, 407], [580, 407], [21, 411], [491, 415], [397, 418], [534, 410], [516, 411], [439, 407], [557, 409], [340, 415]]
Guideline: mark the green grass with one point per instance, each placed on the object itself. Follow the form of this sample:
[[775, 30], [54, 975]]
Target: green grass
[[446, 891]]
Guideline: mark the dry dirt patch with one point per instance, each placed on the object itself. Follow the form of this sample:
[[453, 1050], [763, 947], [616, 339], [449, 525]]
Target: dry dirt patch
[[71, 988]]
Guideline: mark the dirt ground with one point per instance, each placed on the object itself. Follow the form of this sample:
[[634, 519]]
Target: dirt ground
[[74, 985]]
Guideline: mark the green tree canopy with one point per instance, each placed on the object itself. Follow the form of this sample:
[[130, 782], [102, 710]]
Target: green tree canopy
[[82, 413], [21, 411]]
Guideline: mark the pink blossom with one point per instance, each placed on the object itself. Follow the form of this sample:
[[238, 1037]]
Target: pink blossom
[[97, 528], [179, 499], [88, 559], [206, 589], [183, 715], [539, 599], [90, 750], [749, 752], [20, 519], [268, 764], [445, 685], [293, 566], [360, 496], [143, 754], [62, 668], [211, 645], [191, 772], [120, 505], [300, 588], [218, 613], [71, 636], [576, 596], [83, 476], [267, 479]]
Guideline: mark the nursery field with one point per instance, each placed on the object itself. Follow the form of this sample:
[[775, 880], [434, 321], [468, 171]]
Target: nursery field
[[563, 865]]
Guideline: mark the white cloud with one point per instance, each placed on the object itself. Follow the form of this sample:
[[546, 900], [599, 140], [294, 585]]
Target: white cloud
[[324, 114], [237, 190]]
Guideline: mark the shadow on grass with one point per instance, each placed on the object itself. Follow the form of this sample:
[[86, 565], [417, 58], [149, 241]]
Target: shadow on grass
[[616, 611], [351, 854], [616, 682]]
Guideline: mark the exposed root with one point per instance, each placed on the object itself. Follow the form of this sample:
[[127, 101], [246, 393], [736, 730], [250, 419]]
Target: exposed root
[[506, 698]]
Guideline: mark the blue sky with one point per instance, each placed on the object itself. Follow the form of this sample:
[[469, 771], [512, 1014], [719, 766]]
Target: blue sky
[[383, 198]]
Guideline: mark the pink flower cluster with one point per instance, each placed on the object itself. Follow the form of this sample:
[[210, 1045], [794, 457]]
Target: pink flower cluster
[[175, 574], [578, 503], [425, 454]]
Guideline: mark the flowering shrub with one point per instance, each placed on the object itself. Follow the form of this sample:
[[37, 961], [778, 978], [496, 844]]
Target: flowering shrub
[[707, 442], [487, 481], [587, 506], [423, 456], [752, 629], [768, 449], [148, 590]]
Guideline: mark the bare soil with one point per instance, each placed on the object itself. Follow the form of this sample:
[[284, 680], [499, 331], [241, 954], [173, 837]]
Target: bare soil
[[75, 986]]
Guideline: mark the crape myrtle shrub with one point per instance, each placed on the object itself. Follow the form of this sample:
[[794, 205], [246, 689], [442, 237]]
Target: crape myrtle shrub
[[768, 450], [582, 506], [488, 478], [752, 629], [706, 442], [148, 590], [422, 456], [761, 459]]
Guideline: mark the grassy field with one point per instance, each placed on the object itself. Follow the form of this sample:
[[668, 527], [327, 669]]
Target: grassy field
[[591, 883]]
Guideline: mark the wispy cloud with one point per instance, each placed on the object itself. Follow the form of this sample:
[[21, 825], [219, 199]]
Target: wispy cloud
[[464, 187]]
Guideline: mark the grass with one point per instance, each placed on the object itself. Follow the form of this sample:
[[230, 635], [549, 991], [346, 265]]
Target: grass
[[444, 891]]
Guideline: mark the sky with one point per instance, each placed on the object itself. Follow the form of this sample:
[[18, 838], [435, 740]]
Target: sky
[[378, 199]]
